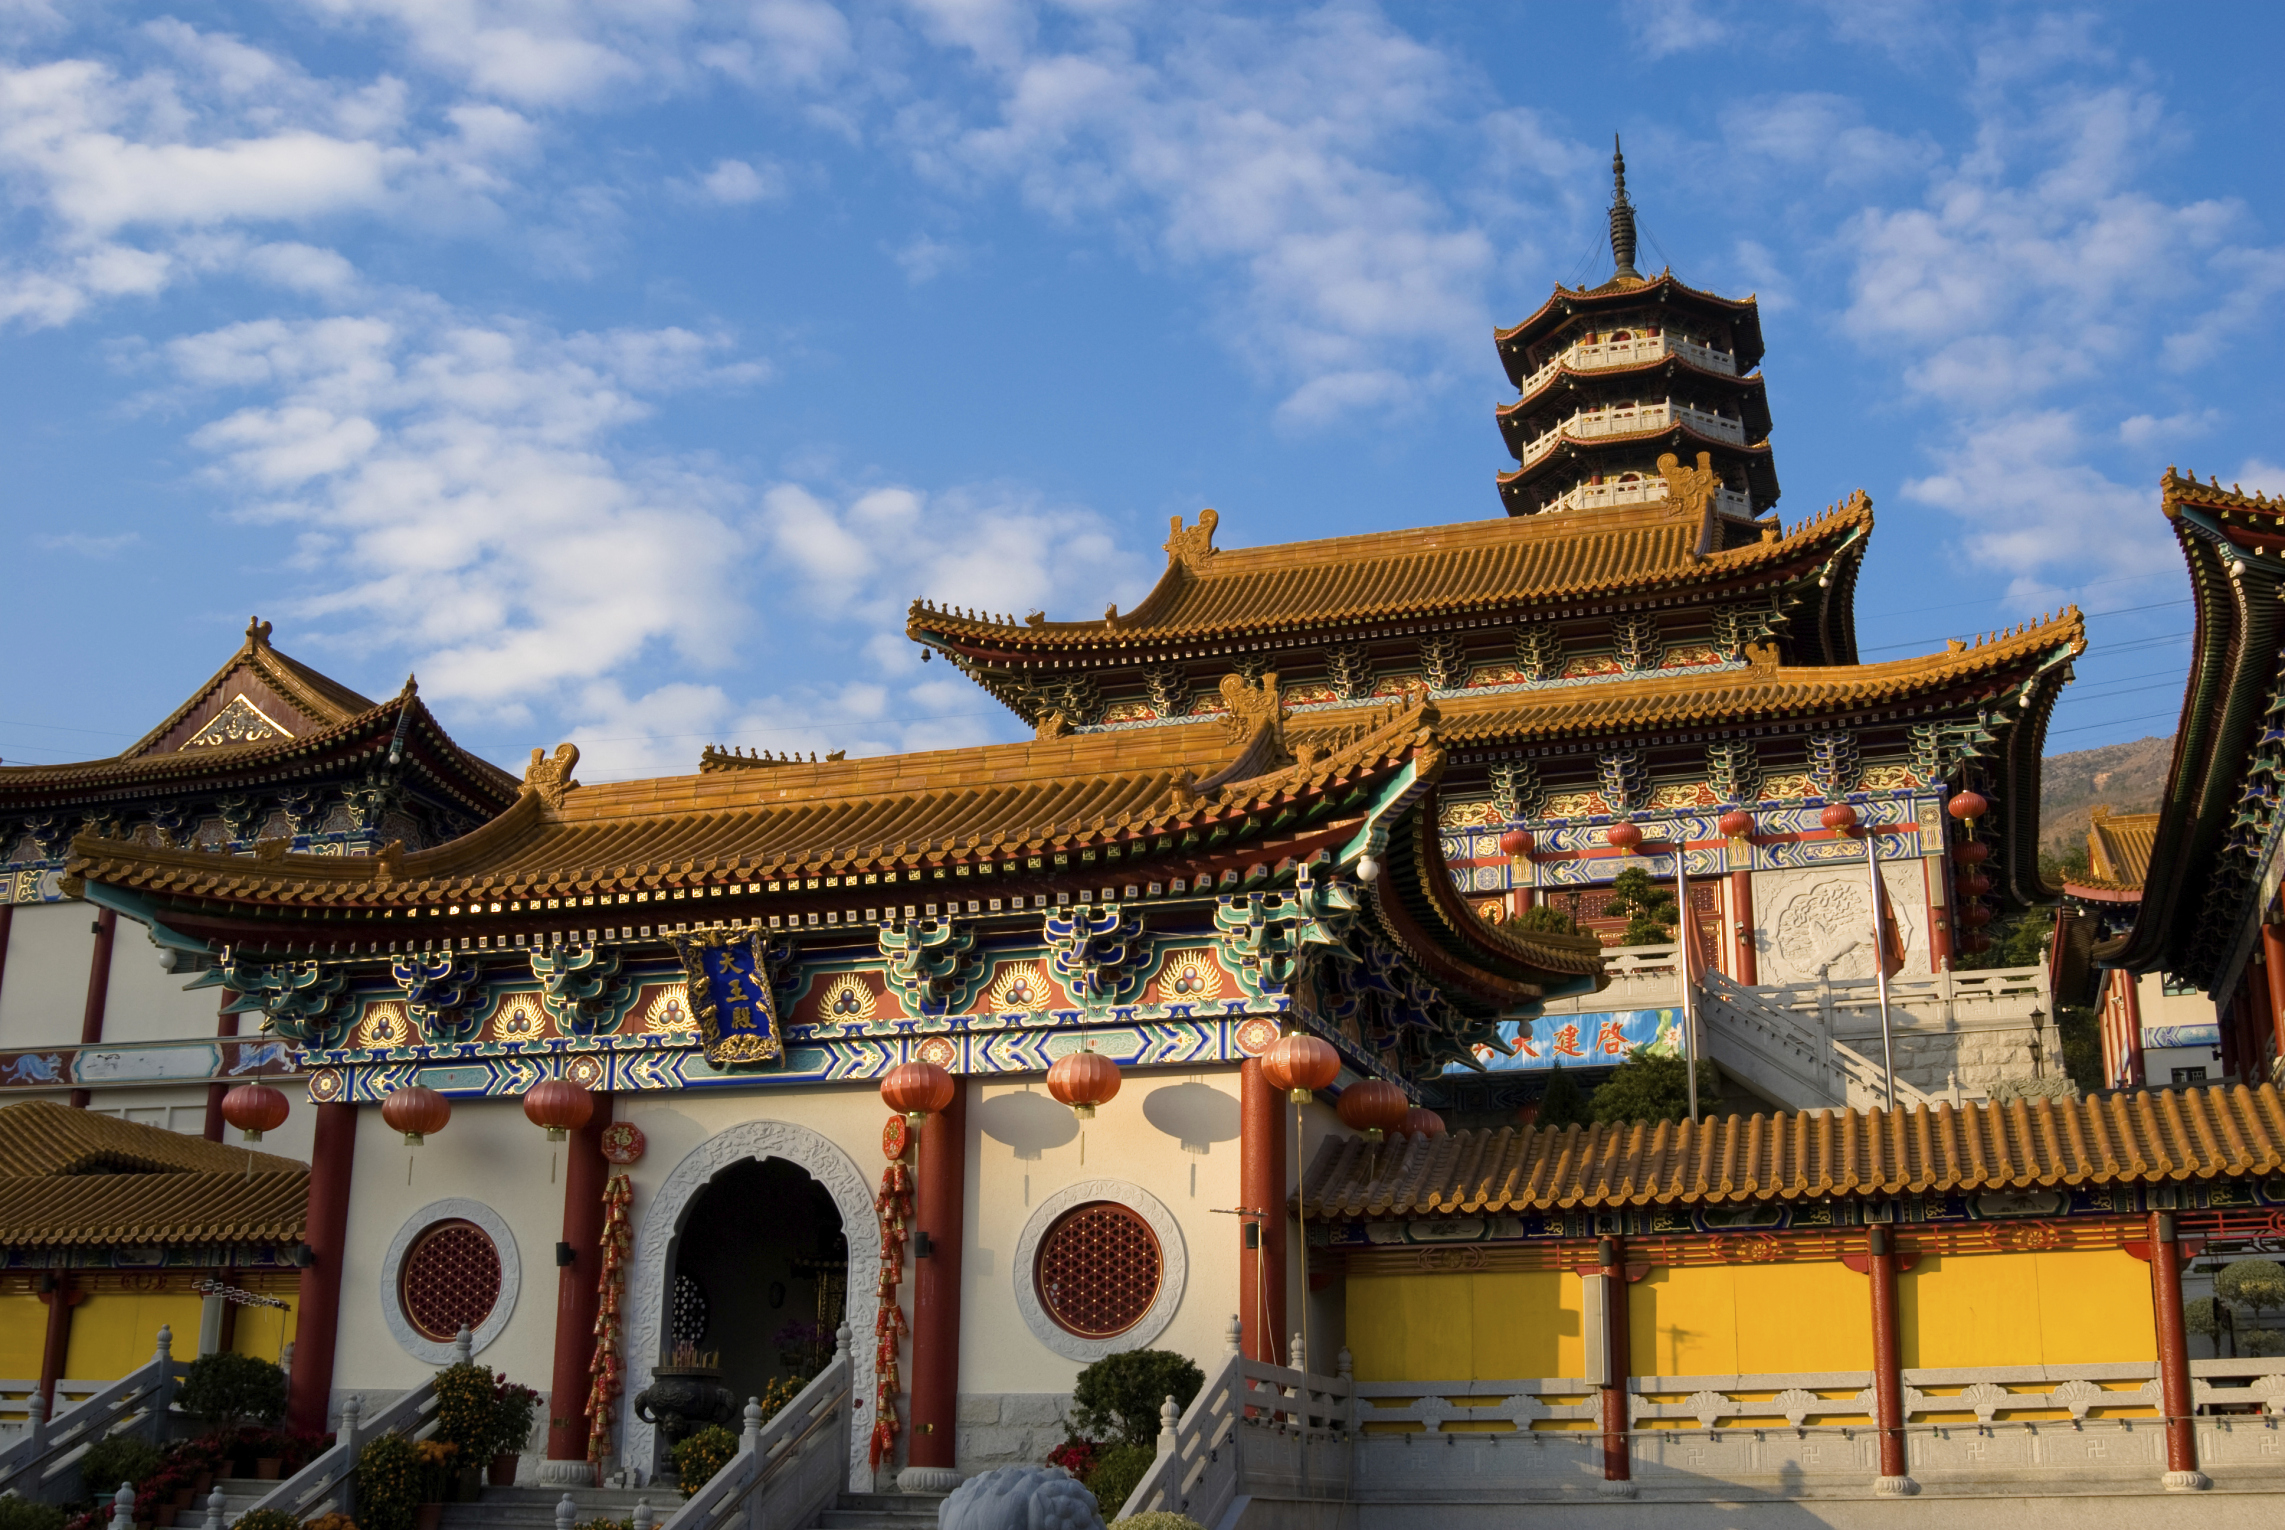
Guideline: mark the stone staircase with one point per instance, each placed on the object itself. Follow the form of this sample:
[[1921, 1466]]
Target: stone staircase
[[534, 1508], [881, 1511]]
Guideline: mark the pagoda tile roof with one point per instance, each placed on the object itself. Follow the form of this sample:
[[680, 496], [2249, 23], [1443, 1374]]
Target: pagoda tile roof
[[78, 1177], [788, 818], [1619, 292], [1760, 461], [2118, 849], [312, 715], [1456, 570], [1751, 383], [2169, 1135], [1759, 690]]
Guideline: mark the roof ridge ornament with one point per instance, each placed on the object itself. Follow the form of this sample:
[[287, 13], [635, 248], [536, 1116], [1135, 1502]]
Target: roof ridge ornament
[[1193, 546], [551, 777], [257, 632], [1622, 218]]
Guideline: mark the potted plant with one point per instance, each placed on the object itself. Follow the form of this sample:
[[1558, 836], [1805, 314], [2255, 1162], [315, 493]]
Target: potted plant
[[434, 1470], [512, 1408], [388, 1484]]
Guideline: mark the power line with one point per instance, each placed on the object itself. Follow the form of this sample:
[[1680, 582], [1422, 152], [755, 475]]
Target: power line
[[2090, 615], [2116, 722]]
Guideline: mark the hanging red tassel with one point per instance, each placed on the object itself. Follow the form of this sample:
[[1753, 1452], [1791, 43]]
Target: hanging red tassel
[[607, 1372], [893, 1206]]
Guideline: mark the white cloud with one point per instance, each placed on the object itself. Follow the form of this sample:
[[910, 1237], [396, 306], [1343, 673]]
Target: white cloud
[[303, 268], [1671, 26], [88, 544], [1819, 131], [735, 182], [2261, 476], [2143, 431], [2030, 501], [924, 258], [458, 492]]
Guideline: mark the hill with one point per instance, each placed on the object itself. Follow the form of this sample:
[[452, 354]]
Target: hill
[[2127, 778]]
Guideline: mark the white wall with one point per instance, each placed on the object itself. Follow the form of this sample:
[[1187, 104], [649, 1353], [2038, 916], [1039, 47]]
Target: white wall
[[1173, 1133], [43, 993], [147, 1002], [488, 1153]]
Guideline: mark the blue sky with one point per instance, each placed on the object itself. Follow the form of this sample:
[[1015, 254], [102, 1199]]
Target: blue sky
[[625, 369]]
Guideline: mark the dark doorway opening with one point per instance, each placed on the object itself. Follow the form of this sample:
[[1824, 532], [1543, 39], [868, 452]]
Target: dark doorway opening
[[761, 1275]]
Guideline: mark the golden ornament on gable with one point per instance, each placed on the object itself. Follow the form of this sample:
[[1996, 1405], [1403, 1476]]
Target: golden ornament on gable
[[847, 1000], [385, 1025], [1190, 976], [241, 722], [1021, 988]]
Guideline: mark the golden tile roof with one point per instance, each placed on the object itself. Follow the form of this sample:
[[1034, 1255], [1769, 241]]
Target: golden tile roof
[[2118, 847], [319, 699], [1698, 697], [1744, 315], [2114, 1140], [889, 811], [77, 1177], [1208, 593]]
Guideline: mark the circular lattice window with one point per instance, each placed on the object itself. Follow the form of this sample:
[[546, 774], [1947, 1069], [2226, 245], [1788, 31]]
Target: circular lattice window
[[691, 1312], [450, 1280], [1098, 1270]]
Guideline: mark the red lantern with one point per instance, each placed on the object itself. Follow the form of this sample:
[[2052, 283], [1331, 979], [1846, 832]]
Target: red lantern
[[1374, 1107], [1422, 1122], [559, 1105], [1299, 1065], [1968, 806], [1515, 842], [1975, 884], [1975, 943], [1838, 816], [255, 1109], [1083, 1080], [417, 1111], [1974, 853], [1975, 916], [917, 1089], [1624, 835], [1737, 823]]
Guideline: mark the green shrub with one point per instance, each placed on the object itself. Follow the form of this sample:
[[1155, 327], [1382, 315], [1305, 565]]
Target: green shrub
[[230, 1391], [1117, 1475], [1652, 1086], [466, 1417], [1161, 1520], [266, 1519], [512, 1408], [388, 1483], [700, 1454], [1560, 1103], [24, 1514], [1118, 1397], [2255, 1283], [1540, 919], [2261, 1343], [116, 1459]]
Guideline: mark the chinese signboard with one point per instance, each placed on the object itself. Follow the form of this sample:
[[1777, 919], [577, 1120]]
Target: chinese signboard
[[1581, 1041], [730, 995]]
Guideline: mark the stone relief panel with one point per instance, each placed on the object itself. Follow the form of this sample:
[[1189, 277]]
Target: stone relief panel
[[1818, 921]]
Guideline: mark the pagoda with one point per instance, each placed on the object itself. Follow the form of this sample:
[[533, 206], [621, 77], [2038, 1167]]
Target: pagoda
[[1625, 390]]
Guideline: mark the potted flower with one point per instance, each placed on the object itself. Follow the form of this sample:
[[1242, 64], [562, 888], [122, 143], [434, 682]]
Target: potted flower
[[433, 1462], [388, 1484], [512, 1409]]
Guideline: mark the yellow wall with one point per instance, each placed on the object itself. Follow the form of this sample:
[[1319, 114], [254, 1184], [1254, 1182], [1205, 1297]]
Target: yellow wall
[[1744, 1319], [23, 1335], [1455, 1327], [113, 1332], [263, 1331], [2061, 1308]]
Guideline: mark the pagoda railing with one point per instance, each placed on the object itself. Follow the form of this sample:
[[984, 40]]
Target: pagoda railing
[[43, 1464], [1641, 490], [786, 1470], [1635, 419], [1253, 1429], [1599, 355]]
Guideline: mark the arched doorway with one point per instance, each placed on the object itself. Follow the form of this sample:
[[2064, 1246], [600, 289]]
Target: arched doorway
[[761, 1275], [669, 1217]]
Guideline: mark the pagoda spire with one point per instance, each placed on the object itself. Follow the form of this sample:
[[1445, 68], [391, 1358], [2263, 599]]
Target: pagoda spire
[[1622, 217]]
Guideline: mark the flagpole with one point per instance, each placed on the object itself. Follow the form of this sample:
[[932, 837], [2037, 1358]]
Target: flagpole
[[1880, 961], [1682, 963]]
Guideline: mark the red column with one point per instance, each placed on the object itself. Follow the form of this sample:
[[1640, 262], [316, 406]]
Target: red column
[[1261, 1217], [98, 992], [1618, 1360], [1887, 1364], [2130, 1044], [225, 1024], [2273, 962], [1741, 926], [2173, 1355], [585, 1171], [940, 1212], [7, 922], [326, 1231], [1941, 915], [58, 1346]]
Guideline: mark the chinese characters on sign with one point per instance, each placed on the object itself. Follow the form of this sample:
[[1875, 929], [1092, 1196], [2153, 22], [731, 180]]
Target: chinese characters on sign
[[1581, 1041], [730, 994]]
